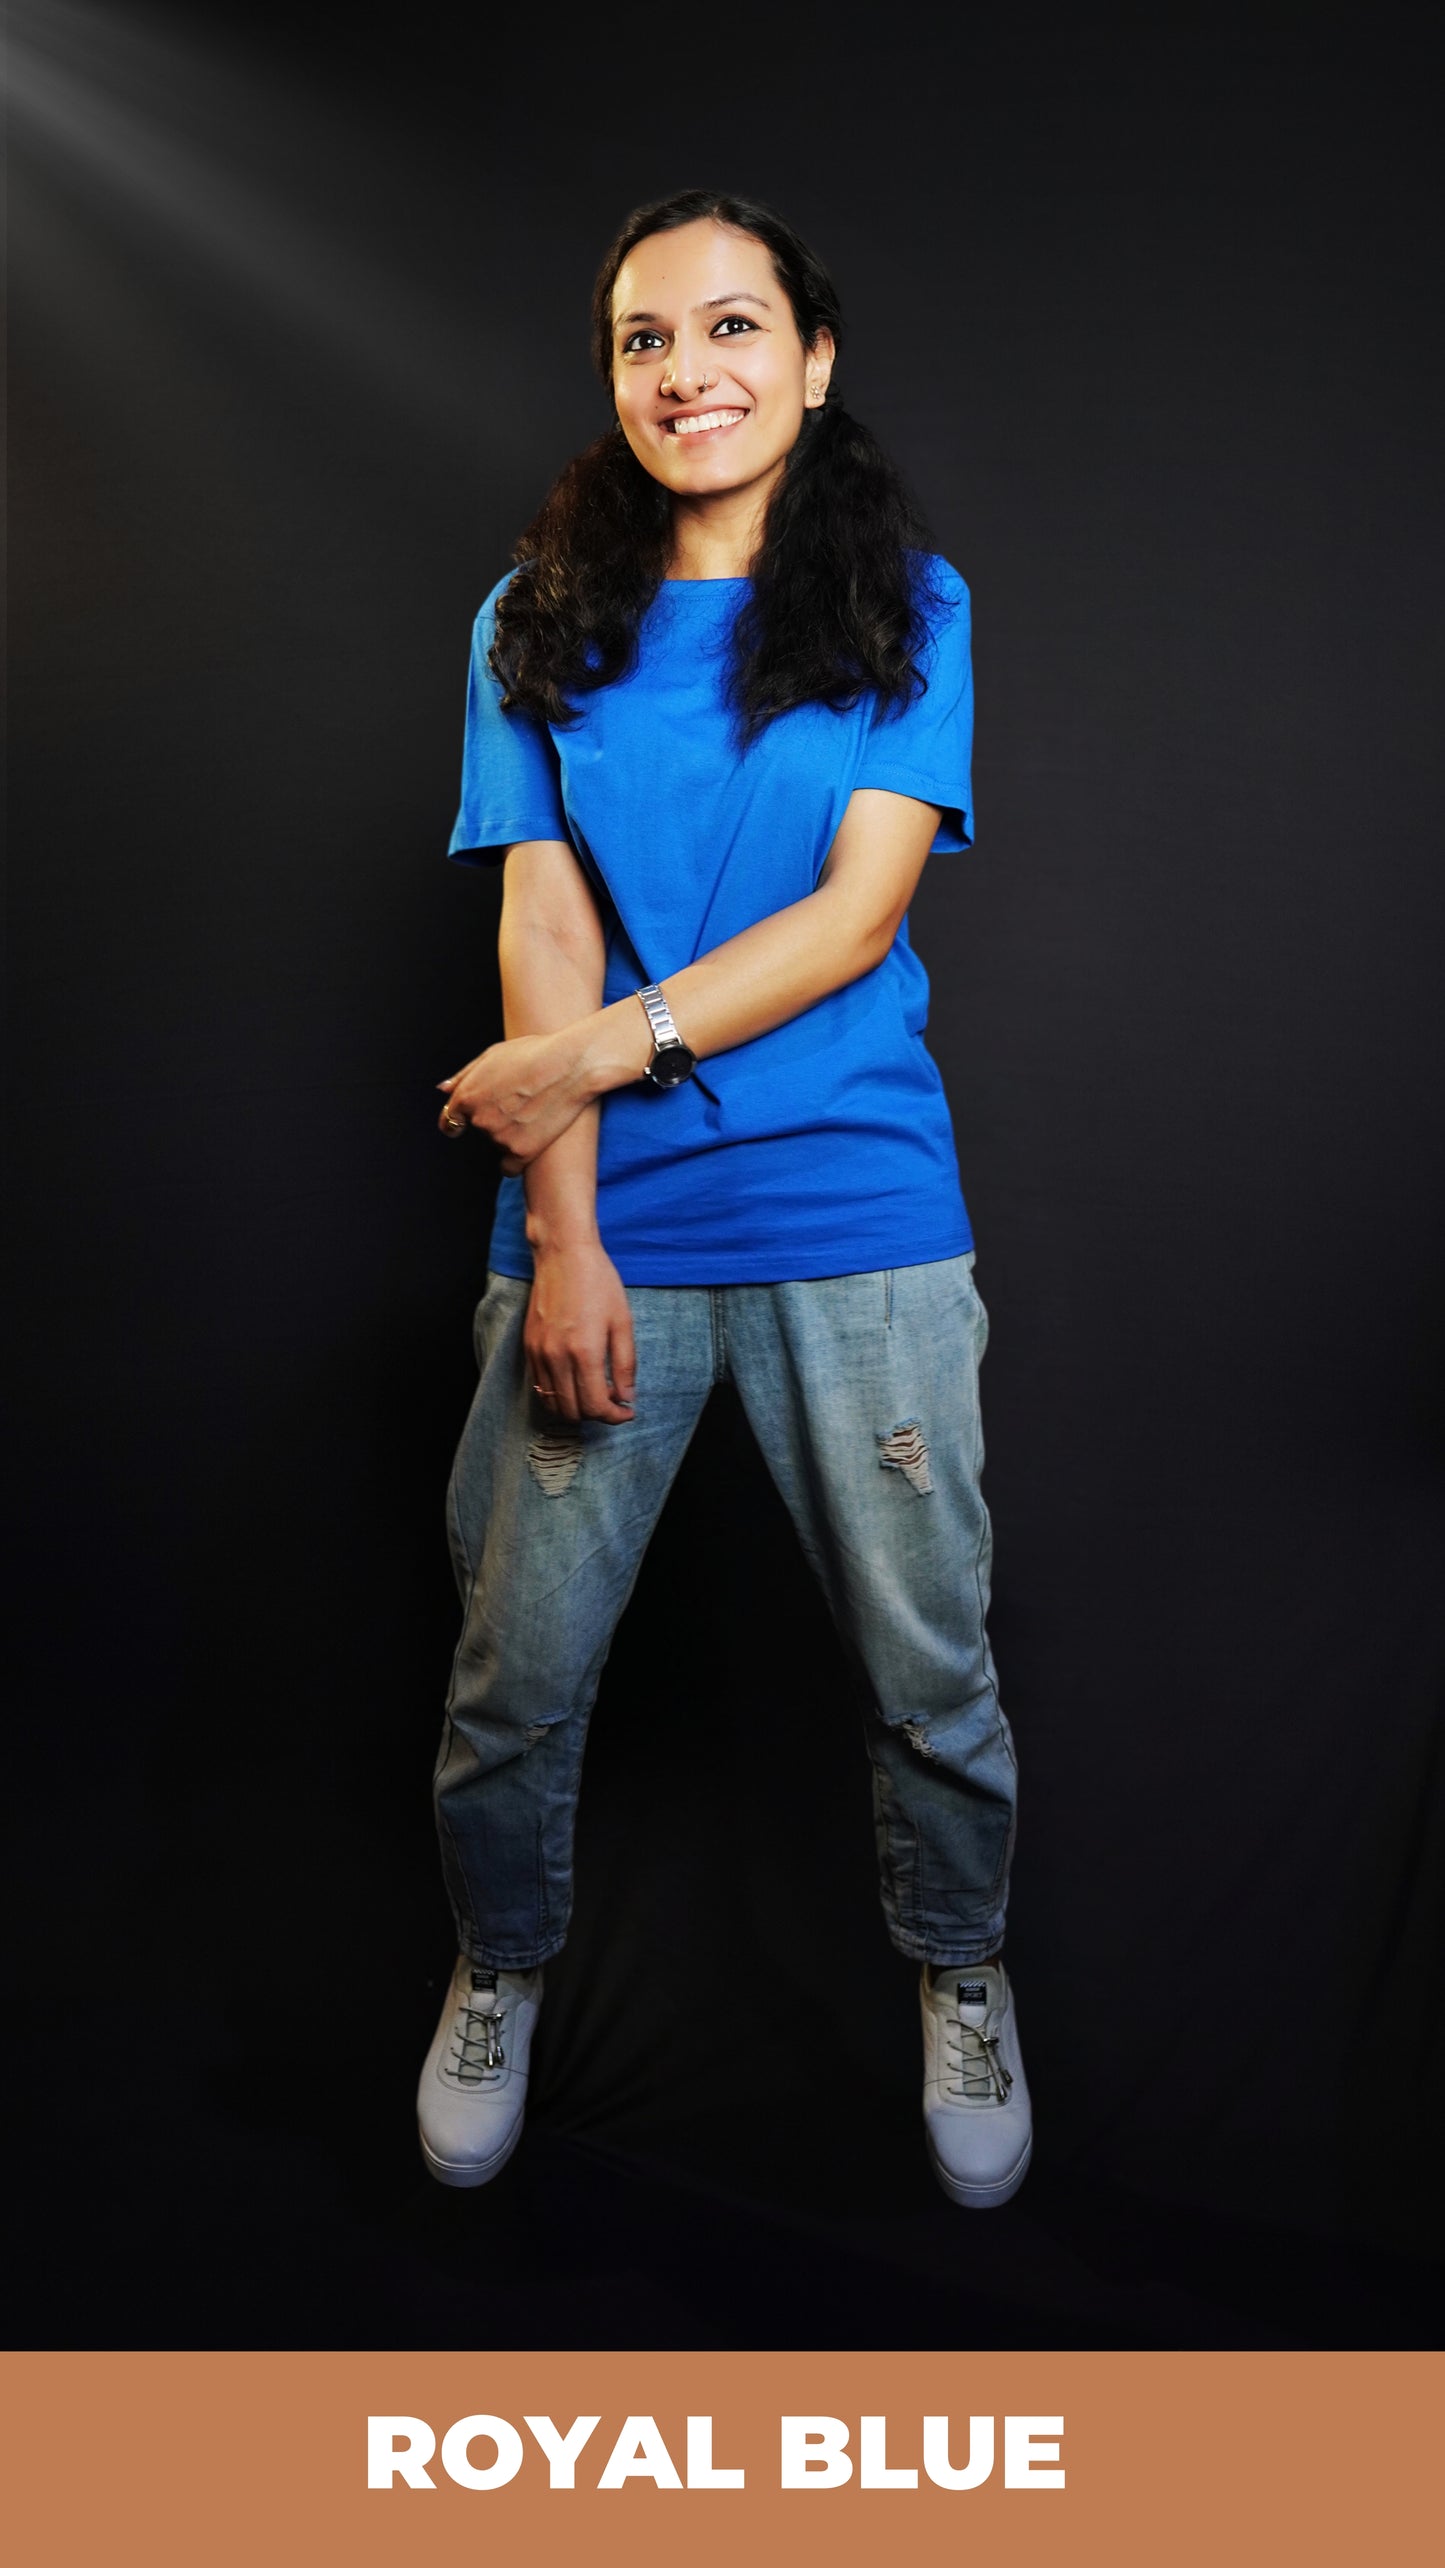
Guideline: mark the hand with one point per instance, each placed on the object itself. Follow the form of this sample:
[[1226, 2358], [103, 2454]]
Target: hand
[[578, 1333], [522, 1094]]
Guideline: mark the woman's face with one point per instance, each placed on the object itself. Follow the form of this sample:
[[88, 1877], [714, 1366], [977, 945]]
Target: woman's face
[[709, 374]]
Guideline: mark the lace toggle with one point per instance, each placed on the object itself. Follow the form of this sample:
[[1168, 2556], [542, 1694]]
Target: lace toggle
[[982, 2077], [478, 2043]]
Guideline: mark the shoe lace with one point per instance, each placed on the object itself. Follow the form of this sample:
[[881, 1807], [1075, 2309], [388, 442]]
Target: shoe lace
[[477, 2032], [973, 2053]]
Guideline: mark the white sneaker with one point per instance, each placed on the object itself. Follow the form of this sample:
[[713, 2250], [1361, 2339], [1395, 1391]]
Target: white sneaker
[[473, 2090], [975, 2096]]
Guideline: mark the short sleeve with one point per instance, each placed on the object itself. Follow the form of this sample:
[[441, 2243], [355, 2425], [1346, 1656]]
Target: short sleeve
[[511, 775], [926, 748]]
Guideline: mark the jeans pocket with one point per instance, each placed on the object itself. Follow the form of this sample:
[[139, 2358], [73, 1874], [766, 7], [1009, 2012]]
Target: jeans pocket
[[982, 1322], [501, 1299]]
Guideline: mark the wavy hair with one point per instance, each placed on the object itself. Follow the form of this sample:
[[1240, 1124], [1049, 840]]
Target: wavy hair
[[839, 585]]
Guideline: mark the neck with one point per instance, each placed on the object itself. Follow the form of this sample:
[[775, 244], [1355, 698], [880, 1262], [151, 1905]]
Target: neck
[[716, 538]]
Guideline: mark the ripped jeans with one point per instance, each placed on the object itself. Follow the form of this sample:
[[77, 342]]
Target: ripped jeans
[[862, 1392]]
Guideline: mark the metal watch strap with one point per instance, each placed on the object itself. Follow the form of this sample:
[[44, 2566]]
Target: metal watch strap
[[659, 1017]]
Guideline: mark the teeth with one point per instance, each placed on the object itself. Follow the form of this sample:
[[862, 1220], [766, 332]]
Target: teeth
[[708, 419]]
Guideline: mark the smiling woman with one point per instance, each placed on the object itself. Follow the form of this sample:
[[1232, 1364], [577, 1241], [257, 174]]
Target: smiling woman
[[737, 343], [719, 716], [702, 304]]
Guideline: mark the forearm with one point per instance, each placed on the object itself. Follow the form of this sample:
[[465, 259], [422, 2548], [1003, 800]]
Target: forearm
[[787, 962], [552, 962], [528, 1092], [759, 979], [578, 1340], [778, 968]]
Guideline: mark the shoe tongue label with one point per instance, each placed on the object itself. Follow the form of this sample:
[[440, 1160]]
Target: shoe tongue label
[[973, 1992]]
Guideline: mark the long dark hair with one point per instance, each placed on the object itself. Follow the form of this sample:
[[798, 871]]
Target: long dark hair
[[839, 585]]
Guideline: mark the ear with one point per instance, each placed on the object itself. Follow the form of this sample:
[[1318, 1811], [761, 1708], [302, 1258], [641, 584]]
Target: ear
[[818, 369]]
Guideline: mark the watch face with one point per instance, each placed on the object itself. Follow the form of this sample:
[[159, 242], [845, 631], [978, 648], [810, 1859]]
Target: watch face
[[670, 1065]]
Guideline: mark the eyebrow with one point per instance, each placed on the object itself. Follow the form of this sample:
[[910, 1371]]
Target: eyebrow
[[714, 303]]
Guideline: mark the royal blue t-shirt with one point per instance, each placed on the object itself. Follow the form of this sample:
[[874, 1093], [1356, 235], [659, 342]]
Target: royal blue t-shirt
[[824, 1147]]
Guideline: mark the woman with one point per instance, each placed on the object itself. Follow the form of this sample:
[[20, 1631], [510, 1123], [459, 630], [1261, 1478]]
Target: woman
[[718, 717]]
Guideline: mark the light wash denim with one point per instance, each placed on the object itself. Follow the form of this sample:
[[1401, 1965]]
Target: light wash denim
[[862, 1391]]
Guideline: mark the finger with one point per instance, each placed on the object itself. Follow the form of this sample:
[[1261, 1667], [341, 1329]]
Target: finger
[[453, 1121], [594, 1396], [600, 1394], [551, 1380], [622, 1359], [564, 1386], [516, 1149], [611, 1411]]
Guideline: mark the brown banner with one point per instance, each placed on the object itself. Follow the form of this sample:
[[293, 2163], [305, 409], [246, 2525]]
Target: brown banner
[[207, 2459]]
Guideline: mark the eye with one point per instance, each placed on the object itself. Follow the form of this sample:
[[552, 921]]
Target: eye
[[734, 323], [631, 346]]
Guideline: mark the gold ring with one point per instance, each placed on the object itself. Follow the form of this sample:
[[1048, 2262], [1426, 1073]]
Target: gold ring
[[454, 1123]]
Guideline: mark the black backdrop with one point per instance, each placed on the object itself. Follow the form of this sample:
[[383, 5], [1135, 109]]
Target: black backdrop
[[1145, 309]]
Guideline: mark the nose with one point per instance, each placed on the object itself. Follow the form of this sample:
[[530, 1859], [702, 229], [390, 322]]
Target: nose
[[686, 373]]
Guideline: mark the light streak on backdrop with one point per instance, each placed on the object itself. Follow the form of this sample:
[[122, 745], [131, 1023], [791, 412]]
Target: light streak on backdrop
[[213, 157]]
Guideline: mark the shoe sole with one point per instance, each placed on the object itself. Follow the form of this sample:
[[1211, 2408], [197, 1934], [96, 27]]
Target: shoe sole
[[462, 2174], [982, 2197]]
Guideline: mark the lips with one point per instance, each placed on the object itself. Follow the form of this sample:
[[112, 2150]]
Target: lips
[[702, 423]]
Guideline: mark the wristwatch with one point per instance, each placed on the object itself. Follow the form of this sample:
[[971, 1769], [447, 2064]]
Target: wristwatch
[[671, 1061]]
